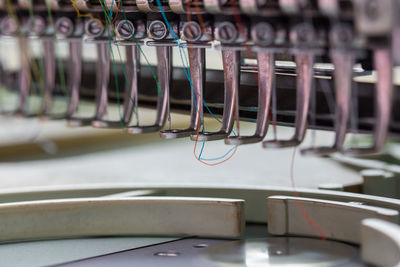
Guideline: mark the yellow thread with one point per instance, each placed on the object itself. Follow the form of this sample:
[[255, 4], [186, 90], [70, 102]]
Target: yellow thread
[[10, 10], [88, 15], [110, 22]]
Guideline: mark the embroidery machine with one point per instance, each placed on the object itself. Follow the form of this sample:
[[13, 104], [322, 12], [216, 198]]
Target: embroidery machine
[[307, 65]]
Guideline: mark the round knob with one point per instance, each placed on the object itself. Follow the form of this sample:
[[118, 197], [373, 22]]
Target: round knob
[[64, 26], [157, 30], [226, 32], [302, 34], [94, 28], [263, 33], [125, 29], [9, 26], [341, 35], [192, 31], [37, 25]]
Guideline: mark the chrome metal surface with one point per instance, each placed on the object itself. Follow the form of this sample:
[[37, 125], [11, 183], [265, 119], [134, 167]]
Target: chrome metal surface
[[50, 74], [181, 252], [164, 72], [266, 72], [383, 102], [304, 62], [301, 33], [197, 74], [231, 89], [74, 76], [272, 251], [343, 74], [102, 80], [283, 251], [130, 92], [24, 76]]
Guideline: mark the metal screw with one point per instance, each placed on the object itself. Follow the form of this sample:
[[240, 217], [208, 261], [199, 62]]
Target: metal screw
[[157, 30], [9, 26], [94, 28], [192, 31], [302, 34], [226, 32], [167, 254], [263, 33], [64, 26], [341, 35], [125, 29], [37, 25]]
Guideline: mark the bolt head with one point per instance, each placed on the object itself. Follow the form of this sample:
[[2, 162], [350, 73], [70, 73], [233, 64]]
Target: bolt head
[[263, 34], [302, 34], [37, 25], [64, 26], [157, 30], [125, 29], [192, 32], [226, 32], [341, 35], [94, 28], [9, 26]]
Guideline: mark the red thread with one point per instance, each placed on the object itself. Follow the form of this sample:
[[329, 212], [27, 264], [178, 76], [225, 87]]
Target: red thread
[[295, 194], [201, 22]]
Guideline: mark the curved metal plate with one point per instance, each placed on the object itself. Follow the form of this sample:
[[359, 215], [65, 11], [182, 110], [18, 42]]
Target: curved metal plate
[[283, 251]]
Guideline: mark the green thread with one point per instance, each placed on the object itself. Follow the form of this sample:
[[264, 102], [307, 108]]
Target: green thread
[[142, 53], [114, 64], [60, 64]]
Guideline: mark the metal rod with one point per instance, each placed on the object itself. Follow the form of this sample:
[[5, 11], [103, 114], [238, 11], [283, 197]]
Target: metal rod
[[266, 77], [343, 76], [383, 105], [231, 83], [50, 74], [164, 75], [304, 63], [197, 73]]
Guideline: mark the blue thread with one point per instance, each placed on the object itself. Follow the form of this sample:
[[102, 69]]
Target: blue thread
[[187, 74], [108, 20], [219, 158], [111, 12], [186, 69], [142, 53]]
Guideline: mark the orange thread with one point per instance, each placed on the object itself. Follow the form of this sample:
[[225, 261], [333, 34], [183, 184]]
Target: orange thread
[[117, 12], [201, 22]]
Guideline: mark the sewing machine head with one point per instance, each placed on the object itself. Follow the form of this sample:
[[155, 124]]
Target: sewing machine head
[[308, 64], [271, 47]]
